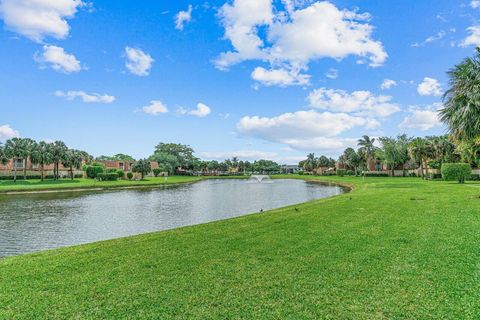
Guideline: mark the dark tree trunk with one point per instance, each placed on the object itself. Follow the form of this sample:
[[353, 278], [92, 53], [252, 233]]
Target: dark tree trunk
[[41, 171], [14, 169], [71, 172]]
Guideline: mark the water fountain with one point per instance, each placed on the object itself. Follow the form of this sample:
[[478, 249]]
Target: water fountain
[[260, 178]]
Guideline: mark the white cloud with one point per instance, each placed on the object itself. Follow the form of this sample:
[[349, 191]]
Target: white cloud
[[37, 19], [388, 84], [241, 154], [421, 119], [201, 111], [473, 39], [332, 73], [279, 77], [183, 17], [304, 130], [57, 59], [429, 87], [138, 62], [438, 36], [475, 4], [86, 97], [155, 107], [296, 37], [362, 103], [7, 132]]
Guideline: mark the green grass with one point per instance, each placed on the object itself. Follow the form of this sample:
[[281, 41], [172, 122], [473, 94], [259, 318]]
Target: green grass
[[398, 248], [38, 185]]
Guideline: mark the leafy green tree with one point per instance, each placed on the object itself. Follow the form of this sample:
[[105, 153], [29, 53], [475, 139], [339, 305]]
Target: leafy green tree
[[351, 159], [167, 162], [72, 159], [41, 156], [213, 166], [143, 167], [3, 155], [265, 166], [461, 107], [183, 153], [394, 152]]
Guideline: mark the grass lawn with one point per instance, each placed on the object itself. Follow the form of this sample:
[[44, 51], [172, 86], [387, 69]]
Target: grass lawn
[[392, 249], [35, 185]]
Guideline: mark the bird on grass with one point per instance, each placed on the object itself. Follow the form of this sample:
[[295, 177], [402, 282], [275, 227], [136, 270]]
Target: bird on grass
[[296, 209]]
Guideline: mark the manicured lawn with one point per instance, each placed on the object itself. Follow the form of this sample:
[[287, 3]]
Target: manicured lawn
[[392, 249], [32, 185]]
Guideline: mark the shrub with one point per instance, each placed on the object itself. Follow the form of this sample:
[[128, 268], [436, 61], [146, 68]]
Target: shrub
[[111, 170], [374, 174], [340, 172], [300, 173], [121, 174], [157, 171], [350, 173], [111, 176], [456, 171], [474, 177], [92, 171], [129, 175]]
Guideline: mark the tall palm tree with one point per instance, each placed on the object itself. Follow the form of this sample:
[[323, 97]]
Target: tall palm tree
[[41, 155], [72, 159], [57, 150], [367, 148], [461, 108], [15, 150], [28, 146]]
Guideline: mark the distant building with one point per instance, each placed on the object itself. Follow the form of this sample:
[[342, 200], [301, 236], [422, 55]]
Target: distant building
[[290, 168]]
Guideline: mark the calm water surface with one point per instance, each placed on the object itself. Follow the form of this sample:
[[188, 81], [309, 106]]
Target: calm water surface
[[31, 223]]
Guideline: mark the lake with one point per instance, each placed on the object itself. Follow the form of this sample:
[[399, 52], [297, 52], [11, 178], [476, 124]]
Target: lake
[[35, 222]]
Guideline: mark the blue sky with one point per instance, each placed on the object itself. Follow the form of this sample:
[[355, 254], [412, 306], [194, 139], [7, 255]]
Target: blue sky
[[248, 78]]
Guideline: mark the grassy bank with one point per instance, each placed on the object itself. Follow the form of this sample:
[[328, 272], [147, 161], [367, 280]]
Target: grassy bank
[[391, 249], [38, 185]]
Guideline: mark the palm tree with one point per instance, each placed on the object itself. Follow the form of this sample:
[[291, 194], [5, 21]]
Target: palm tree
[[15, 150], [41, 155], [57, 150], [461, 107], [367, 148], [142, 166], [72, 159], [421, 150], [28, 146]]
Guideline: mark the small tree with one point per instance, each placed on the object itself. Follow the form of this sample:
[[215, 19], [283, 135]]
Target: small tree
[[41, 155], [143, 167], [129, 175], [456, 171], [72, 159]]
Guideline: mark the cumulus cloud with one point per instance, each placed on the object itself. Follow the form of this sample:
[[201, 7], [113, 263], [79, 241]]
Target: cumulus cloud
[[201, 111], [57, 59], [7, 132], [296, 37], [279, 77], [363, 103], [241, 154], [138, 62], [429, 87], [86, 97], [155, 108], [37, 19], [388, 84], [421, 118], [475, 4], [304, 130], [473, 39], [183, 17]]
